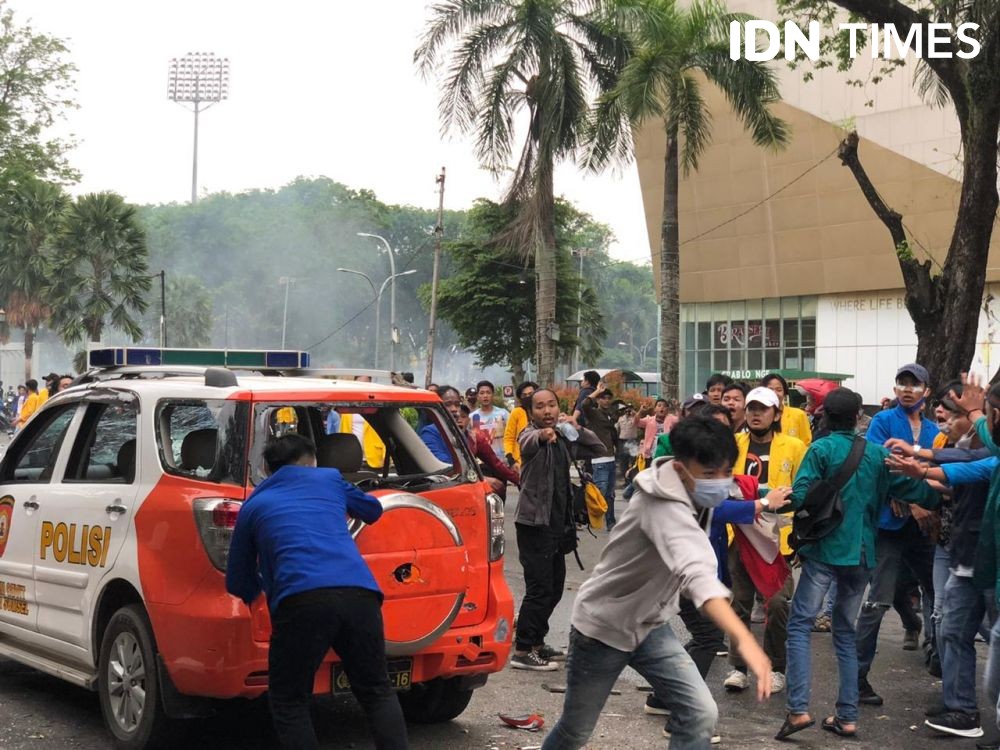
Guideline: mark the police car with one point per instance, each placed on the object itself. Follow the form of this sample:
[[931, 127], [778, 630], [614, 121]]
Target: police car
[[117, 504]]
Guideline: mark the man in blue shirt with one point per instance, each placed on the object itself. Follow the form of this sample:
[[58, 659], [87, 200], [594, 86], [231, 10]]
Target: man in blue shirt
[[291, 541], [901, 536]]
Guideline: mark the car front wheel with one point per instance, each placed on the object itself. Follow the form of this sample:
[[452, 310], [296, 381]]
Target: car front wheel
[[435, 701], [128, 681]]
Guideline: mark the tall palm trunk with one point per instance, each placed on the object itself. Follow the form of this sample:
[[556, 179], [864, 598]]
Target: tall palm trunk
[[545, 278], [670, 274], [29, 350]]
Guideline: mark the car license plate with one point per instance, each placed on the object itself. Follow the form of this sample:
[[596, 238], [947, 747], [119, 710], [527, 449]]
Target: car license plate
[[400, 675]]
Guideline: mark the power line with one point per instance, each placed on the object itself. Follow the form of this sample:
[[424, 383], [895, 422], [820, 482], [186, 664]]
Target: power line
[[755, 206], [636, 260], [413, 256]]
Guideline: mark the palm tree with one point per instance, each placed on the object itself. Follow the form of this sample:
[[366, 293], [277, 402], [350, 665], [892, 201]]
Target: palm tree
[[100, 269], [539, 58], [32, 222], [674, 48]]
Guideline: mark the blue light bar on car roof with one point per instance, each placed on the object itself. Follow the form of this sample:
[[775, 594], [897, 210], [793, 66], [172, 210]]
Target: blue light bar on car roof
[[121, 356]]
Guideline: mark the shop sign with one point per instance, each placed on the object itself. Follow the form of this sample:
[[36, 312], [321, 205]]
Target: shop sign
[[742, 335]]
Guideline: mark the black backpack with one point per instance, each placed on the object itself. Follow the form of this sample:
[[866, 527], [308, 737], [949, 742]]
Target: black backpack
[[822, 510]]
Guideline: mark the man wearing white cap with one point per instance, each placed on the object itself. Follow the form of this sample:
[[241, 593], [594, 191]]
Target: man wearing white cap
[[757, 567]]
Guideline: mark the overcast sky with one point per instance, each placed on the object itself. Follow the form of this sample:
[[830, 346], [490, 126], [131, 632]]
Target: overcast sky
[[317, 88]]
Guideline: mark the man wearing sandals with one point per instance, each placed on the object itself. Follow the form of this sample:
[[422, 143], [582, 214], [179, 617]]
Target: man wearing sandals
[[846, 555]]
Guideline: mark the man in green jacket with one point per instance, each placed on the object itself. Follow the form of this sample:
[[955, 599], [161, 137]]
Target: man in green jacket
[[846, 555]]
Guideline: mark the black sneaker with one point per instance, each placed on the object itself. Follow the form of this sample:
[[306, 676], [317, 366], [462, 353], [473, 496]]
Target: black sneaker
[[551, 653], [988, 745], [867, 694], [956, 723], [936, 709], [655, 706], [911, 640], [533, 661]]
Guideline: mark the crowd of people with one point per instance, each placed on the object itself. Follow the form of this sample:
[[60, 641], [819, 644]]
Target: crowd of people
[[728, 494], [21, 403], [914, 488]]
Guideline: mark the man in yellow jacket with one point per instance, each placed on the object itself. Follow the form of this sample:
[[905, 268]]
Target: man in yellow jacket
[[773, 458], [517, 422]]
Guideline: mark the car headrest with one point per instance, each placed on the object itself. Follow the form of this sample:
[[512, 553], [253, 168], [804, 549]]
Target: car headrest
[[198, 449], [342, 451], [126, 460]]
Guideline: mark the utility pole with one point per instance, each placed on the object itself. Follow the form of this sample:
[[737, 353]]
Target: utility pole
[[163, 308], [438, 235]]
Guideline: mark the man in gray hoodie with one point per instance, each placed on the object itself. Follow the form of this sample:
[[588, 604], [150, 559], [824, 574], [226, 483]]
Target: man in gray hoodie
[[657, 552]]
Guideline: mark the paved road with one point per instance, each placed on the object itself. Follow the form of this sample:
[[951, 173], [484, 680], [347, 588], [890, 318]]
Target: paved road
[[37, 711]]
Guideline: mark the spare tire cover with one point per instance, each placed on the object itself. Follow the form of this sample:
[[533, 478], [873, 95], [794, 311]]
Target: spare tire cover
[[416, 553]]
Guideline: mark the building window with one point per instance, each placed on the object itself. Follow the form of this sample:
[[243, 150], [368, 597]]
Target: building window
[[746, 339]]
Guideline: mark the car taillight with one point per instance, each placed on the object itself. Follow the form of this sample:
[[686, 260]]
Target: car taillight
[[216, 519], [494, 504]]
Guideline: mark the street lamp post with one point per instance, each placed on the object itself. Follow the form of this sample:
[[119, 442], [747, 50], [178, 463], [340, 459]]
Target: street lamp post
[[393, 335], [378, 301], [641, 352], [287, 281], [200, 79]]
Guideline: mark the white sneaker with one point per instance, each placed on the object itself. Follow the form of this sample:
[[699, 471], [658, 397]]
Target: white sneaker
[[736, 681], [777, 682]]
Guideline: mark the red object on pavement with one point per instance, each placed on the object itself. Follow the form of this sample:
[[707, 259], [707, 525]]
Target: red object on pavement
[[529, 722]]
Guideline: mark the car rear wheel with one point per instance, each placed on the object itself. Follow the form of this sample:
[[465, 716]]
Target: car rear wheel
[[435, 701], [128, 681]]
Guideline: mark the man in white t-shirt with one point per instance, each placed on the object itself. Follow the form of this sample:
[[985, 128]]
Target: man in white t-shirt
[[489, 418]]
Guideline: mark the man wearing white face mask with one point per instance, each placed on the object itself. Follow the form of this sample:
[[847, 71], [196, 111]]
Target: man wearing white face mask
[[657, 552]]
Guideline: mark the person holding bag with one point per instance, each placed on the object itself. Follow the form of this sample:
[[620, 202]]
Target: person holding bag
[[841, 551]]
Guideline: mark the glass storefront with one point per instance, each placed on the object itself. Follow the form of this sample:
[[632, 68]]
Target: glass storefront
[[746, 339]]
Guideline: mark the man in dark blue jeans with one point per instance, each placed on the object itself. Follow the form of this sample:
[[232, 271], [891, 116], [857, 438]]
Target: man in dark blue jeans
[[902, 538], [291, 539]]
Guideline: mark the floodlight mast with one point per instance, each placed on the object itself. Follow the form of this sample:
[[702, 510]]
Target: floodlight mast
[[200, 79]]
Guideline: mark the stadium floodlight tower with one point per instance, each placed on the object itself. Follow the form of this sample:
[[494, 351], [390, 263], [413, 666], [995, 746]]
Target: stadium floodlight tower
[[200, 79]]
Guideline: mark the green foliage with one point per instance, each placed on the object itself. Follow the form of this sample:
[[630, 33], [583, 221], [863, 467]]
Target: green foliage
[[239, 245], [672, 44], [35, 91], [539, 60], [488, 294], [31, 222], [189, 312], [903, 251], [100, 274]]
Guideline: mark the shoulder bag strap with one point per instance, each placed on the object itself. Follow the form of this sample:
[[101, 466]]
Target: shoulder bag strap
[[847, 469]]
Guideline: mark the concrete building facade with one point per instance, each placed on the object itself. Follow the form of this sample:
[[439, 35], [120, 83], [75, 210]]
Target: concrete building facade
[[783, 262]]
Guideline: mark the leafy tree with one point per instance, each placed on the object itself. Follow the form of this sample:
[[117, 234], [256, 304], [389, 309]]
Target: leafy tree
[[35, 91], [31, 222], [673, 45], [536, 57], [100, 274], [943, 301], [486, 296]]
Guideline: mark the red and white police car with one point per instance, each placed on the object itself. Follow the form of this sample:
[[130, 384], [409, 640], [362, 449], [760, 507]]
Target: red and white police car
[[117, 504]]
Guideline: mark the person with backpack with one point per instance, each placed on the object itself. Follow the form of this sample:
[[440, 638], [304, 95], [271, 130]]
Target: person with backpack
[[837, 494], [601, 420], [544, 522]]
